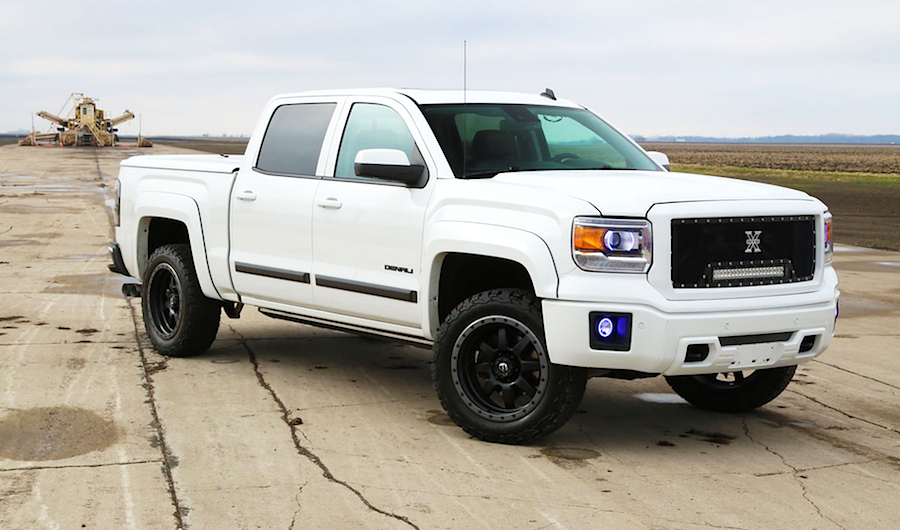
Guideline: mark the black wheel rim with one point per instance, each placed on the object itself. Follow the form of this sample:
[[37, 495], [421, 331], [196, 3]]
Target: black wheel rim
[[500, 368], [727, 380], [165, 300]]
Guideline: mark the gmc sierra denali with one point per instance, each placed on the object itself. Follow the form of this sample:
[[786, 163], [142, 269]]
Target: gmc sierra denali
[[530, 243]]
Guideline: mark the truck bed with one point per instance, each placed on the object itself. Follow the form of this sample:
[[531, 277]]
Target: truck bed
[[205, 163]]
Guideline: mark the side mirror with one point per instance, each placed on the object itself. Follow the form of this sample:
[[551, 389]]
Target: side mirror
[[387, 164], [661, 159]]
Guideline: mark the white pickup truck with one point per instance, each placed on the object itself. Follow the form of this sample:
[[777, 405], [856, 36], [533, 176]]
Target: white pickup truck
[[531, 243]]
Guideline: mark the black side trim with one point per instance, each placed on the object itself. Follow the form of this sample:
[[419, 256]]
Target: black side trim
[[269, 272], [367, 288], [118, 264], [338, 326], [740, 340]]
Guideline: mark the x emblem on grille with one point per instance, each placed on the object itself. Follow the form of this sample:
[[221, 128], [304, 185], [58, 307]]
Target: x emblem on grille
[[753, 241]]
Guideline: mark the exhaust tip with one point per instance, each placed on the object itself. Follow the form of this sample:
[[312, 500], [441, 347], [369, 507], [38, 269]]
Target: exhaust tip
[[131, 290]]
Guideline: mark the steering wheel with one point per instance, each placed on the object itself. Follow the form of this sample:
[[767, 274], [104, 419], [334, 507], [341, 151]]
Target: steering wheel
[[562, 156]]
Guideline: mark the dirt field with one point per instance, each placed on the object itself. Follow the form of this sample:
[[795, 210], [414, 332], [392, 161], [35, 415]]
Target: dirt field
[[860, 184], [818, 158]]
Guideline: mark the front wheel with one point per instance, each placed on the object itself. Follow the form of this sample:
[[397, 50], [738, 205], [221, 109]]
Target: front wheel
[[180, 320], [492, 372], [740, 391]]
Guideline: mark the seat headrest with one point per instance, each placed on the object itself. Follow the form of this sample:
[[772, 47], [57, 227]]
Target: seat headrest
[[494, 145]]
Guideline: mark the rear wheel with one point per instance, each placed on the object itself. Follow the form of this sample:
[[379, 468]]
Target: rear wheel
[[179, 319], [739, 391], [492, 372]]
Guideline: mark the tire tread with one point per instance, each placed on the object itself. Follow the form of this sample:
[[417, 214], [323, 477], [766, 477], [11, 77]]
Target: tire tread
[[572, 381], [200, 320]]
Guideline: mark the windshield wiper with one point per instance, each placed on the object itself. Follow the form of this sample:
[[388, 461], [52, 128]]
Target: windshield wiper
[[490, 172]]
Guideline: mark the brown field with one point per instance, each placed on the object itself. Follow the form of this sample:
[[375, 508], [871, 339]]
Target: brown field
[[860, 184], [827, 158]]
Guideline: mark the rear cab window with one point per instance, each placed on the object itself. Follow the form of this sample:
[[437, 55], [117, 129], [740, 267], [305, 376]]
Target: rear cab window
[[293, 140]]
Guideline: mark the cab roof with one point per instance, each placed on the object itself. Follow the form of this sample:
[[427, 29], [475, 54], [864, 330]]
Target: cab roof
[[436, 97]]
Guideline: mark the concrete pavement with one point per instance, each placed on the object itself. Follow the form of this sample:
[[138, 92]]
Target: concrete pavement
[[286, 426]]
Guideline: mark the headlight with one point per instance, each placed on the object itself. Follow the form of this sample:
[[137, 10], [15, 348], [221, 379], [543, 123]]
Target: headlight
[[829, 237], [612, 245]]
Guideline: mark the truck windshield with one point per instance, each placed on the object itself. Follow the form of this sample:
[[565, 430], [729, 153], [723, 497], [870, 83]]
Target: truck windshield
[[481, 140]]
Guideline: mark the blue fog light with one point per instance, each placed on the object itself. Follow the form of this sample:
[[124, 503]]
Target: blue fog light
[[605, 327], [624, 326], [610, 331]]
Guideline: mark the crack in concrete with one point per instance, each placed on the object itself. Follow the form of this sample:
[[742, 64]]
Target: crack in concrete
[[299, 506], [794, 475], [309, 455], [817, 468], [856, 374], [78, 466], [412, 463], [847, 414], [160, 432]]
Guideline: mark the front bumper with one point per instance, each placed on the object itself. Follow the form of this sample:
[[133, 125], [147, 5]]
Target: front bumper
[[660, 338]]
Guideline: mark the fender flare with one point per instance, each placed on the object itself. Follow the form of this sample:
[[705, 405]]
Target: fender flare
[[463, 237], [154, 204]]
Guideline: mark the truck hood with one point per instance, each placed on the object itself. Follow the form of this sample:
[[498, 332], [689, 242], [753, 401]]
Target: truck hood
[[633, 193]]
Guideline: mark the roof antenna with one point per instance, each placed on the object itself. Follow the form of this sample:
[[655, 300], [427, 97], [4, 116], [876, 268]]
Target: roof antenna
[[548, 93]]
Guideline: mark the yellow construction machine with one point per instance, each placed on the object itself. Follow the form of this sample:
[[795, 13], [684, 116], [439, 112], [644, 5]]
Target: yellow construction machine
[[86, 126]]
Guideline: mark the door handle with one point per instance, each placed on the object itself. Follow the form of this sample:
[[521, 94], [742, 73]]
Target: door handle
[[246, 195], [330, 203]]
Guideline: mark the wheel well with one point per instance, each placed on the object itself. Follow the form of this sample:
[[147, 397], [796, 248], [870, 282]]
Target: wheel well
[[165, 232], [463, 275]]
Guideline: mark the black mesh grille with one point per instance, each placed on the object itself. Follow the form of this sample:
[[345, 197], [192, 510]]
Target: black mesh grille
[[731, 245]]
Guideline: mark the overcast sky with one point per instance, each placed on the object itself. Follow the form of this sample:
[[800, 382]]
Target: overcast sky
[[685, 67]]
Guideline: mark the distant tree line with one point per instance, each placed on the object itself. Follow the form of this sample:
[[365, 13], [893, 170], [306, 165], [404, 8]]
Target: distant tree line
[[832, 138]]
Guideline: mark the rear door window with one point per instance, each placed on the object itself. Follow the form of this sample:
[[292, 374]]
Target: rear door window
[[293, 140]]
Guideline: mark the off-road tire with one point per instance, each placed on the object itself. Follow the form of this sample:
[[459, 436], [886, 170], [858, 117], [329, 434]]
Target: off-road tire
[[759, 388], [193, 327], [561, 391]]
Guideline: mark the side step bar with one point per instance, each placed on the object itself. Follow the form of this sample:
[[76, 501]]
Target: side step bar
[[350, 328]]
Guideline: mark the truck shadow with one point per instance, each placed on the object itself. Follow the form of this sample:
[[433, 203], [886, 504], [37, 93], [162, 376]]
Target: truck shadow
[[640, 416]]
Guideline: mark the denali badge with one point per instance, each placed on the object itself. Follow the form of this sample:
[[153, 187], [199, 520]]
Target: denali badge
[[753, 241], [398, 269]]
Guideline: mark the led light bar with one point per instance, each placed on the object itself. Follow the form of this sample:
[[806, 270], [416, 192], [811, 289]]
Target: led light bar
[[748, 273]]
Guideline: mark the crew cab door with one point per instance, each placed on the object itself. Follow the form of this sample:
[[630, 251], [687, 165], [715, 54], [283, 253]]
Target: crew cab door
[[272, 201], [367, 232]]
